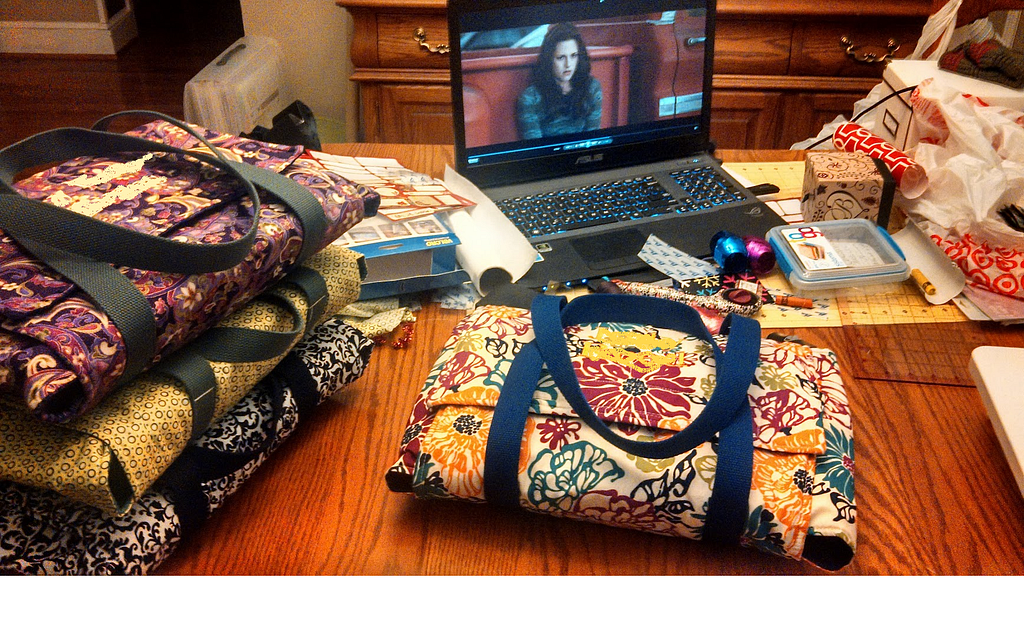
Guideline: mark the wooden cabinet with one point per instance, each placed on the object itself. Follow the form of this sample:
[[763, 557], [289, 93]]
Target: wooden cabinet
[[781, 70], [404, 94]]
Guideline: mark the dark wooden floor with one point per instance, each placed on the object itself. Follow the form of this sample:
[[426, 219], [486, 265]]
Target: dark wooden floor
[[177, 38]]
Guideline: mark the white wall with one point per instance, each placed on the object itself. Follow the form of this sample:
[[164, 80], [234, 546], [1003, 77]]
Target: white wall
[[315, 37]]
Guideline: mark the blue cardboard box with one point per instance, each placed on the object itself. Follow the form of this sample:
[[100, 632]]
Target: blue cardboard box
[[405, 256]]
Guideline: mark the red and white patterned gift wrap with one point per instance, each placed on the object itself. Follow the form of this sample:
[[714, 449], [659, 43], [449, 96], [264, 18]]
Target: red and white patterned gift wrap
[[997, 269], [910, 177]]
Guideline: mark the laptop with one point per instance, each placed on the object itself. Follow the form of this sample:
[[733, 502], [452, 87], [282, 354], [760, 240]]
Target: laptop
[[587, 122]]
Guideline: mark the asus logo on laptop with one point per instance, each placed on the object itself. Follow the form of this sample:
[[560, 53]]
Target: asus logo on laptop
[[589, 158]]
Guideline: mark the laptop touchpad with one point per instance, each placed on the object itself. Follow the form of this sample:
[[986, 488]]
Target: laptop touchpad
[[611, 250]]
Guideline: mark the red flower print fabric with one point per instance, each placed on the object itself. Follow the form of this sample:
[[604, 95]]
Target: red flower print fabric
[[646, 384]]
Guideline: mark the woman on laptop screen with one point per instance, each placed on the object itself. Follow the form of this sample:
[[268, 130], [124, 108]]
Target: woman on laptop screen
[[562, 97]]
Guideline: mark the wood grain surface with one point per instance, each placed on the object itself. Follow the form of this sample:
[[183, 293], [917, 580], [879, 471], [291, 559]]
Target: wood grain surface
[[934, 493], [177, 38]]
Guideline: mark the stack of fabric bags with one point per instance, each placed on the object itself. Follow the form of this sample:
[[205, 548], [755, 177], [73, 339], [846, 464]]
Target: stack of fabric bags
[[130, 408]]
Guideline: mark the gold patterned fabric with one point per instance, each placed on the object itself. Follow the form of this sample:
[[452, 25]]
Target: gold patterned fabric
[[113, 453], [378, 317]]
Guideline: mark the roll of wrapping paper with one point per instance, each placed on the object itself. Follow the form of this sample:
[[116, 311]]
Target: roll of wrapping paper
[[727, 300], [910, 177]]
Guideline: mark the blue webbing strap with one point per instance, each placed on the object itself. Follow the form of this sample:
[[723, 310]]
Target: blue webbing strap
[[191, 365], [505, 439], [727, 508], [118, 298], [298, 200], [226, 344], [734, 367], [730, 492]]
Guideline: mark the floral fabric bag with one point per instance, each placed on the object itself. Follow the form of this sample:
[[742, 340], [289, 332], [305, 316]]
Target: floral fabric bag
[[625, 410], [131, 245]]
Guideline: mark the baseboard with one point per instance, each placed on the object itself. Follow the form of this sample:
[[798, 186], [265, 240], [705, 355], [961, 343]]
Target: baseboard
[[69, 38]]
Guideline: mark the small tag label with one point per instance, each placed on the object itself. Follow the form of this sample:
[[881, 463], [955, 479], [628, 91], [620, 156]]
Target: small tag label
[[747, 285], [813, 248], [673, 262]]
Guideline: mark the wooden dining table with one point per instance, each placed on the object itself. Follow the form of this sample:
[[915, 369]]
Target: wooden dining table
[[934, 492]]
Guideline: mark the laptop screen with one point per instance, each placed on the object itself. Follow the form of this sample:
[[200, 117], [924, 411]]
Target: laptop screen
[[543, 89]]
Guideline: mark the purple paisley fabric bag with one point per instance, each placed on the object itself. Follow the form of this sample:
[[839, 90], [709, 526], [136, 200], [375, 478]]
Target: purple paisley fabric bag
[[59, 350]]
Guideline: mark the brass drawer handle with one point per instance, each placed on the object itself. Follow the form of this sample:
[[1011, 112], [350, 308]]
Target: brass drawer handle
[[870, 58], [421, 36]]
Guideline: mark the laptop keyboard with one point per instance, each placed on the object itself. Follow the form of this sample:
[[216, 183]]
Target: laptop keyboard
[[705, 188], [616, 201]]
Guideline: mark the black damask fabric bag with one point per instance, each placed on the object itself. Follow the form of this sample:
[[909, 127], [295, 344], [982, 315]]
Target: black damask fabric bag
[[43, 533]]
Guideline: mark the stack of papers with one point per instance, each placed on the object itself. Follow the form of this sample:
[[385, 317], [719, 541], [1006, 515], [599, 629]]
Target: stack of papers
[[404, 194], [429, 233], [407, 245]]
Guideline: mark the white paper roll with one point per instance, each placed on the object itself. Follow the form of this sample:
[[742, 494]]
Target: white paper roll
[[492, 250]]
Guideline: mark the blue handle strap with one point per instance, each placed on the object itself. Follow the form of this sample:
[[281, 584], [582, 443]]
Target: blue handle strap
[[505, 438], [729, 410], [730, 493], [735, 367]]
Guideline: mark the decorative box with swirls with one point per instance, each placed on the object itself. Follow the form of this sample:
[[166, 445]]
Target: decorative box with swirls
[[846, 185]]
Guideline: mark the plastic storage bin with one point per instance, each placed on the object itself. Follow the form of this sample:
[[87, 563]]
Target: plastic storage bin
[[894, 120], [833, 257], [241, 89]]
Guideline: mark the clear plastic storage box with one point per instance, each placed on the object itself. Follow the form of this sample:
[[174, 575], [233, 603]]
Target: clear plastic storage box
[[244, 87], [821, 258]]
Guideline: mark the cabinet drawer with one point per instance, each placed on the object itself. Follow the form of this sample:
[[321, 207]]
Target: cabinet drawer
[[397, 46], [818, 50], [744, 47]]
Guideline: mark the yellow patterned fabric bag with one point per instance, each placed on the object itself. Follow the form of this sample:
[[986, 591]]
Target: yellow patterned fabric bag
[[626, 411], [108, 456]]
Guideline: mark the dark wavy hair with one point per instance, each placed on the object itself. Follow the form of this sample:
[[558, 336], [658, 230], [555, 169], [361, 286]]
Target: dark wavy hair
[[544, 79]]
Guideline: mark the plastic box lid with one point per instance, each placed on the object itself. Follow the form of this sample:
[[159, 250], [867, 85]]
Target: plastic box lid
[[837, 254], [901, 73]]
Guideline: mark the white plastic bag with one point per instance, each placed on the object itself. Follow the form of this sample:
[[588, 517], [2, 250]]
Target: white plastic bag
[[824, 138], [974, 156], [937, 32], [941, 31]]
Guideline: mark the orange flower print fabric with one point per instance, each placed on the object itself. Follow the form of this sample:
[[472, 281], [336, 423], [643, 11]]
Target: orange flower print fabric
[[457, 440], [646, 384]]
